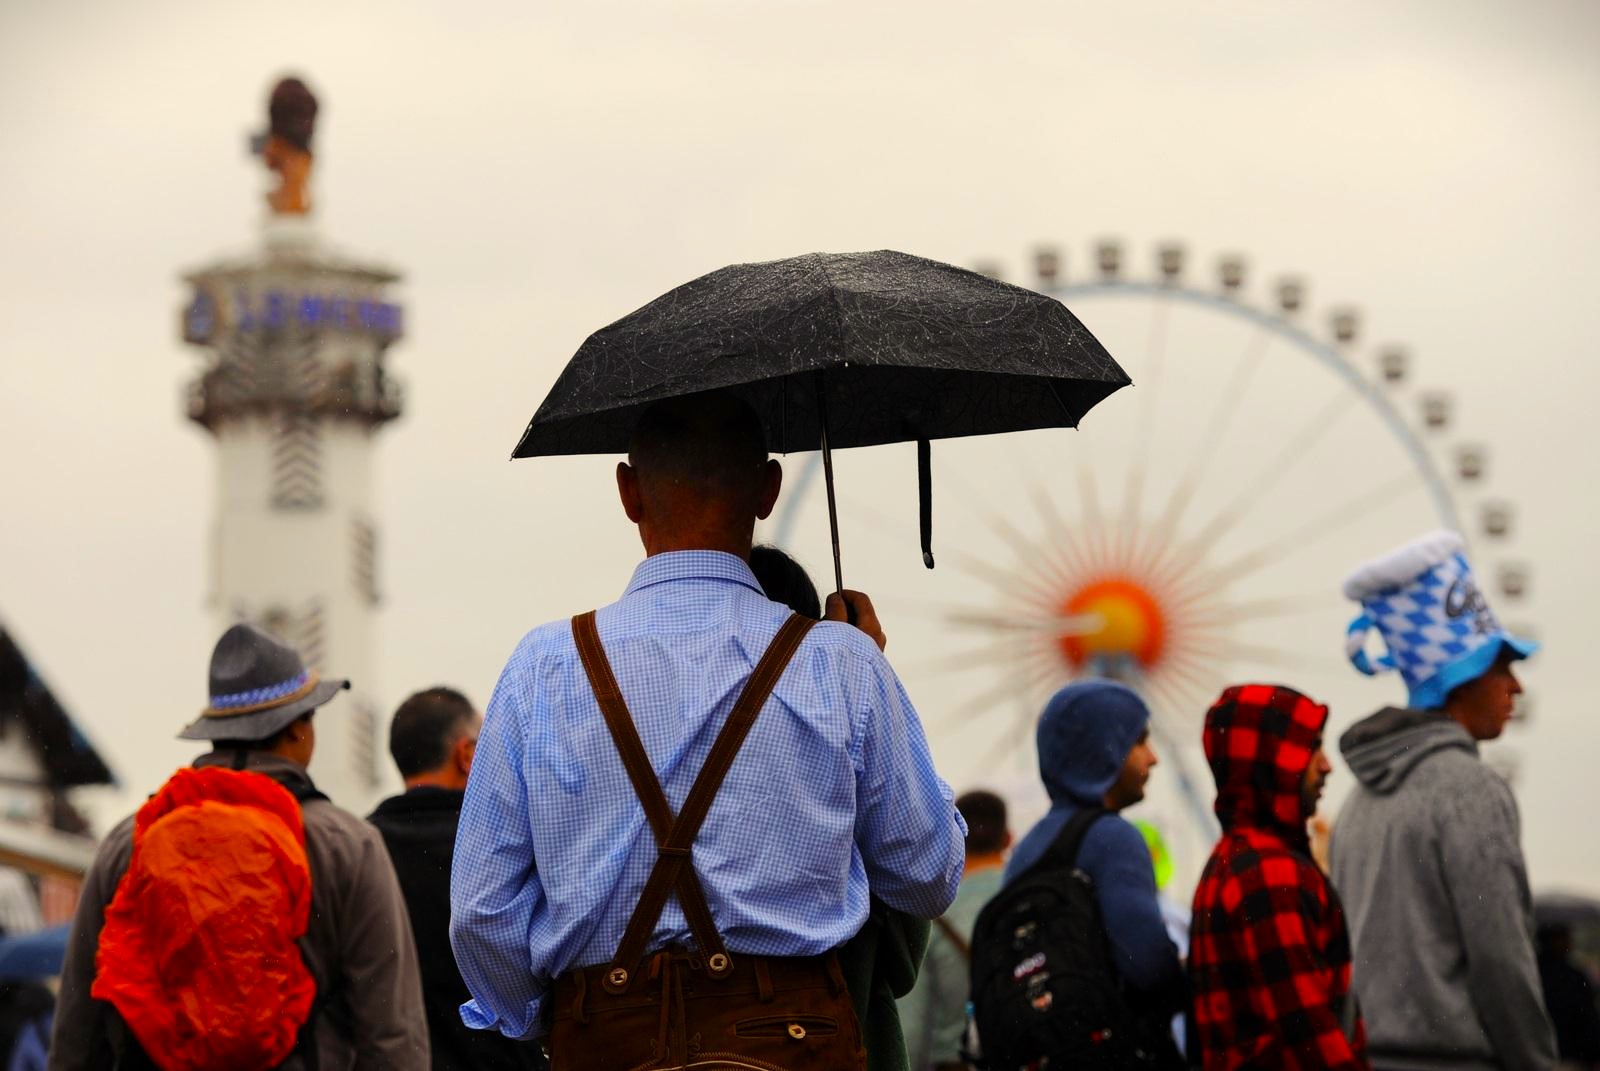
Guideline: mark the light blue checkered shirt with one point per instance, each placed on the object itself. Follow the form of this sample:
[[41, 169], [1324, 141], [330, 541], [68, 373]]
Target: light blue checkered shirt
[[833, 795]]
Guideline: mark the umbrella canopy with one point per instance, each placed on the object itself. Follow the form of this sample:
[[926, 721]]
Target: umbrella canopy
[[912, 348], [836, 350]]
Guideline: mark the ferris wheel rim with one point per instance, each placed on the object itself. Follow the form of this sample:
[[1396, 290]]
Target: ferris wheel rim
[[1422, 461], [1438, 489]]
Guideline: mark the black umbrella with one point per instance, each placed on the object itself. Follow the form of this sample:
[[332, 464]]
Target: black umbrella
[[836, 350]]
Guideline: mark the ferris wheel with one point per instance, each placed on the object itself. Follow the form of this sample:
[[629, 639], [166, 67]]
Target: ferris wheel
[[1192, 533]]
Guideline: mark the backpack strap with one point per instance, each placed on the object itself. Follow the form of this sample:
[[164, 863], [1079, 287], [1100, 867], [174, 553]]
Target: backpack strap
[[1062, 854], [673, 869], [953, 935]]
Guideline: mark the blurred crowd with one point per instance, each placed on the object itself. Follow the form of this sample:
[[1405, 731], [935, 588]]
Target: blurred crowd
[[702, 827]]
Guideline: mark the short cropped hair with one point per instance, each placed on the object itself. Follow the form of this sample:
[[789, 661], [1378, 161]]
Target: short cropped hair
[[985, 814], [426, 726], [707, 443], [785, 580]]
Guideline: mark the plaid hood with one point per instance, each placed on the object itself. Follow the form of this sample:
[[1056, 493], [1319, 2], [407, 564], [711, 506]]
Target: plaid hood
[[1259, 740]]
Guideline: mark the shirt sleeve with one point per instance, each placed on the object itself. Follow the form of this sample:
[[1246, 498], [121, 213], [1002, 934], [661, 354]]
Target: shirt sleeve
[[379, 963], [911, 838], [1115, 853], [81, 1038], [494, 888], [1481, 855], [1293, 983]]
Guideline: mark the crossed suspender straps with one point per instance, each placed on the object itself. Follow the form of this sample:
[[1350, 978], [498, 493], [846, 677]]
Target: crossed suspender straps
[[674, 871]]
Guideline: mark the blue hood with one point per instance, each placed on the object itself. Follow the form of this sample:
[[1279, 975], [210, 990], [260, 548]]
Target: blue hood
[[1085, 734]]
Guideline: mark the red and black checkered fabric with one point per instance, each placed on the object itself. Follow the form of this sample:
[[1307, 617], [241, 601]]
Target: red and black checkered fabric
[[1269, 957]]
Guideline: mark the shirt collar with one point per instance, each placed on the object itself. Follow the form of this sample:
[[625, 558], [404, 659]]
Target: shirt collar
[[692, 565]]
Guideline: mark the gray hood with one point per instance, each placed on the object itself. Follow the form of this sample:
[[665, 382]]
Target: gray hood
[[1383, 749]]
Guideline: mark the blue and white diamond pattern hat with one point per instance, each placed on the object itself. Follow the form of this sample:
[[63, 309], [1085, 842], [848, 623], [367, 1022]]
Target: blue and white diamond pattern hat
[[1436, 626]]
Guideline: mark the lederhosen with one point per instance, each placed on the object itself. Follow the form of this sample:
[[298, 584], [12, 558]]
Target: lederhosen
[[699, 1008]]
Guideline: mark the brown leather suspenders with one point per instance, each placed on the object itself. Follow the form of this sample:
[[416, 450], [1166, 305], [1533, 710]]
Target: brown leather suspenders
[[674, 870]]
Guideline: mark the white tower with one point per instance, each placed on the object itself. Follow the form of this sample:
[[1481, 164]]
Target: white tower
[[294, 390]]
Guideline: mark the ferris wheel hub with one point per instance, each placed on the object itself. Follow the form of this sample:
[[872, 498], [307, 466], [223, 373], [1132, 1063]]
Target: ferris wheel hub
[[1131, 624]]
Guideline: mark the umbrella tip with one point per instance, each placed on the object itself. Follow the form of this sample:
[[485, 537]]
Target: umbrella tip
[[927, 558]]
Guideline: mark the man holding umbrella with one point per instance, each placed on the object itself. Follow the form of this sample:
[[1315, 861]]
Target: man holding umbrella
[[611, 748], [627, 876]]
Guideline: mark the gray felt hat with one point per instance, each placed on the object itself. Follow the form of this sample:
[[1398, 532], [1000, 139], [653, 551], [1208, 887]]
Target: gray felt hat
[[258, 685]]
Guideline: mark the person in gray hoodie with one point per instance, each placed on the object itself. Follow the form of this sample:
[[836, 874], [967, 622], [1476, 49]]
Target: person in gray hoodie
[[1427, 851]]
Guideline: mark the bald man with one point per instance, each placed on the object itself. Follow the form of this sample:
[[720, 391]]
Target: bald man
[[831, 798]]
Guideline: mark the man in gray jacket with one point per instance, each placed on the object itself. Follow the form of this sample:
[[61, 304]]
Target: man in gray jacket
[[1427, 852], [367, 1012]]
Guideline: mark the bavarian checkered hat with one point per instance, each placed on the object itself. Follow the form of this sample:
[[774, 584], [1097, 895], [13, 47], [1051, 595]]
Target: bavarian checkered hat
[[1436, 625], [258, 685]]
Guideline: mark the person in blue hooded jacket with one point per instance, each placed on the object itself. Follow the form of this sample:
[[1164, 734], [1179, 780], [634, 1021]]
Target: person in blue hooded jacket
[[1094, 751]]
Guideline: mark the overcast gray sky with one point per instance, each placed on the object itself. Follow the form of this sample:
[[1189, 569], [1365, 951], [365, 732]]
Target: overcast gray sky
[[538, 170]]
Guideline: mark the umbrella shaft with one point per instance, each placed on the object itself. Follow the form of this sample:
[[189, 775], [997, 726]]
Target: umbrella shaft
[[827, 478]]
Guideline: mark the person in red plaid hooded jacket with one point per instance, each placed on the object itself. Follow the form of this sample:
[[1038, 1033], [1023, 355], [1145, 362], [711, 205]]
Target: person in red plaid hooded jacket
[[1269, 957]]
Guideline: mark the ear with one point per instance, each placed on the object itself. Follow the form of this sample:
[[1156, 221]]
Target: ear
[[1005, 844], [628, 491], [461, 755], [771, 484]]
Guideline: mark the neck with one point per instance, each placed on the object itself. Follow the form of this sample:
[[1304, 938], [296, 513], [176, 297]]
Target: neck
[[737, 544], [285, 750], [983, 861], [437, 779]]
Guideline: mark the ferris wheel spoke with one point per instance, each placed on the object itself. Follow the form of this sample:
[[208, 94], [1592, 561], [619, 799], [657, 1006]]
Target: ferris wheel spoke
[[1317, 529], [1052, 625], [1010, 742], [1293, 454], [988, 654], [1199, 674], [1177, 700], [1190, 788], [1007, 584], [1155, 363], [1068, 552], [1265, 609], [1036, 670], [1070, 557], [1265, 655], [1246, 365], [1100, 537], [1032, 556]]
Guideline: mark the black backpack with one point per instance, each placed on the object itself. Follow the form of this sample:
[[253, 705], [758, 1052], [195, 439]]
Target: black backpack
[[1045, 988]]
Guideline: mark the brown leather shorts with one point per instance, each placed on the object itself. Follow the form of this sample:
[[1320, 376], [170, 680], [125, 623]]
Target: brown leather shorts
[[765, 1014]]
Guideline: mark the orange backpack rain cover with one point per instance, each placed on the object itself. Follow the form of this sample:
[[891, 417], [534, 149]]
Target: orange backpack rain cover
[[198, 949]]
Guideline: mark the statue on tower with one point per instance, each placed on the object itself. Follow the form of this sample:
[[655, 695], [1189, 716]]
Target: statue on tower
[[286, 148]]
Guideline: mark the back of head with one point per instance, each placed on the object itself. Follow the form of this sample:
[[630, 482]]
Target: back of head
[[785, 580], [425, 727], [698, 450], [1084, 736], [985, 815], [1260, 739]]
